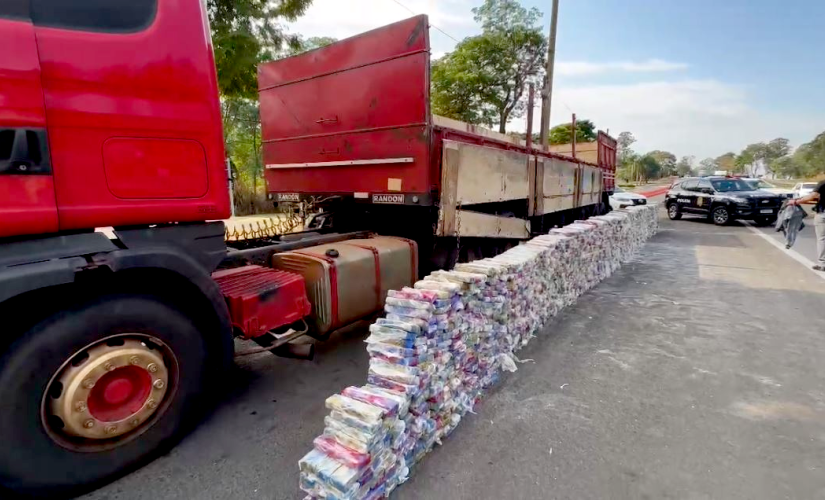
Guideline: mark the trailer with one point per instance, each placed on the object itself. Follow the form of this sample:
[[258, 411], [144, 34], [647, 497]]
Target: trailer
[[115, 342], [348, 128]]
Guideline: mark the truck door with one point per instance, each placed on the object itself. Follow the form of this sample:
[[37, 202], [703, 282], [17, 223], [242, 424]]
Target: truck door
[[27, 200], [133, 113]]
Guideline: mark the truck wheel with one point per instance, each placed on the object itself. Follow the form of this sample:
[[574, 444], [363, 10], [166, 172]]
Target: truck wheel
[[720, 215], [95, 391], [673, 212]]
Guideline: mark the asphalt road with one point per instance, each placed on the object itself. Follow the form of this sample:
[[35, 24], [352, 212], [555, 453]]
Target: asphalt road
[[694, 372], [806, 239]]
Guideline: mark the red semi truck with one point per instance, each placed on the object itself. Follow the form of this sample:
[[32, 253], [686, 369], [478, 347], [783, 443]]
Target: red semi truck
[[112, 342]]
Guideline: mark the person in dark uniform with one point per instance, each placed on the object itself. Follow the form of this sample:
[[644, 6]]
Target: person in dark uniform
[[818, 197]]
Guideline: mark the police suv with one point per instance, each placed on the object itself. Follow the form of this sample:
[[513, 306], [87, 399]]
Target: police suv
[[722, 200]]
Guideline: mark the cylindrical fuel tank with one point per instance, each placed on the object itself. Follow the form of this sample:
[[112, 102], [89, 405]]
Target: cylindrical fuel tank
[[349, 280]]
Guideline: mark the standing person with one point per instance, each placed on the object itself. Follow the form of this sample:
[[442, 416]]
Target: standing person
[[818, 196]]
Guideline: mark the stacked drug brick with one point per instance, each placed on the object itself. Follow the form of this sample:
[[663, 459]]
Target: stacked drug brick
[[443, 342]]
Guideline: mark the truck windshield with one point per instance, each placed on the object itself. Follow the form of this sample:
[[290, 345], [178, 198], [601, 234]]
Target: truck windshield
[[727, 185]]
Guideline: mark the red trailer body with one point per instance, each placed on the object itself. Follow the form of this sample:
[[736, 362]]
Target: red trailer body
[[350, 117], [353, 120], [607, 160]]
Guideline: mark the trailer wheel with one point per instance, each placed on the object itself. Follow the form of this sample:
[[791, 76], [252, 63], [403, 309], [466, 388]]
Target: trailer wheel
[[95, 391]]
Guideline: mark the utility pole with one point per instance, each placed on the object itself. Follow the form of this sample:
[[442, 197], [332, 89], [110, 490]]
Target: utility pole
[[547, 91], [573, 133], [531, 95]]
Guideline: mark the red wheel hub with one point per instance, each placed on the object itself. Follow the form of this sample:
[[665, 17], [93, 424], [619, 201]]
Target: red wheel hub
[[120, 394]]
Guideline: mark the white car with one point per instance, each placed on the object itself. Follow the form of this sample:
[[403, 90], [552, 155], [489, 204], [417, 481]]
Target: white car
[[621, 198], [803, 189], [767, 186]]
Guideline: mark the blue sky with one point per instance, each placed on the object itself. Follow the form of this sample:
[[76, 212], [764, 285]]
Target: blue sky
[[695, 77], [763, 44]]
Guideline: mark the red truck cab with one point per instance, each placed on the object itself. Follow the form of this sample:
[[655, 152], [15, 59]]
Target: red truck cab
[[109, 117]]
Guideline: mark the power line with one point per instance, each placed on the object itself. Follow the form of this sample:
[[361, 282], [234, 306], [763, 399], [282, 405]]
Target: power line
[[431, 24]]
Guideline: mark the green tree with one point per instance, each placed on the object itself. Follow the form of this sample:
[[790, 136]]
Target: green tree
[[749, 157], [246, 33], [762, 153], [242, 136], [639, 168], [708, 165], [624, 152], [685, 166], [628, 168], [777, 148], [649, 168], [311, 43], [809, 158], [726, 162], [483, 81], [457, 84], [562, 134], [790, 166], [666, 160]]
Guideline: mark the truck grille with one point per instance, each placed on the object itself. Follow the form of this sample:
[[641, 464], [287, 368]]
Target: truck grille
[[766, 203]]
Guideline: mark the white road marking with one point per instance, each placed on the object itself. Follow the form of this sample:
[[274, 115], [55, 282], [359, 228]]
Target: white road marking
[[790, 252]]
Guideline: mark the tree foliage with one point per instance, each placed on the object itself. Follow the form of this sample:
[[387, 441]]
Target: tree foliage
[[685, 166], [666, 160], [761, 154], [483, 81], [246, 33], [640, 168], [708, 165], [623, 143], [726, 162], [812, 155], [649, 168], [562, 134], [242, 136], [808, 160], [311, 43]]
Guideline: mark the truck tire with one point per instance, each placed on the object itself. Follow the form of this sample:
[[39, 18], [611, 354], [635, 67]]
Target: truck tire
[[93, 392], [673, 212], [720, 215]]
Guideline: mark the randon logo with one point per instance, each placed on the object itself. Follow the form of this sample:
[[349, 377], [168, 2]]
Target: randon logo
[[288, 197], [395, 199]]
